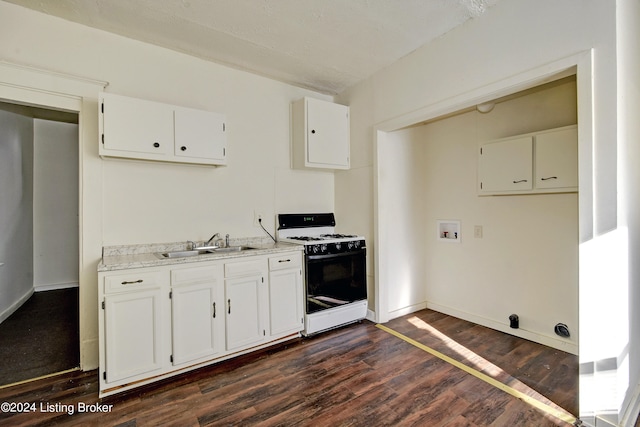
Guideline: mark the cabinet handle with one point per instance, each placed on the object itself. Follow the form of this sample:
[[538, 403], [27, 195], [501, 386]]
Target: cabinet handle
[[229, 304], [522, 180], [132, 282], [214, 310], [156, 144], [183, 148], [548, 178], [284, 260]]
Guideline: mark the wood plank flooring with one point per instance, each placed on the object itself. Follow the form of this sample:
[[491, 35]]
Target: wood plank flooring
[[359, 375]]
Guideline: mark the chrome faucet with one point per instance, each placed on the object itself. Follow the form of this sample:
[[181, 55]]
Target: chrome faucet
[[226, 241], [208, 242]]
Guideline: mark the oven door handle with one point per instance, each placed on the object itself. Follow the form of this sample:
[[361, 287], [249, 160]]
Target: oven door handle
[[342, 254]]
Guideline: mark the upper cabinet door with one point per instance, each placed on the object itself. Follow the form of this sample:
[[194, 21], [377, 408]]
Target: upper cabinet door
[[136, 126], [327, 133], [557, 159], [200, 135], [506, 165], [320, 134]]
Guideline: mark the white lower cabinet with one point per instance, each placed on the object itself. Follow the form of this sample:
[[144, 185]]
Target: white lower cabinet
[[243, 313], [197, 313], [160, 321], [245, 292], [133, 352], [286, 295], [133, 326]]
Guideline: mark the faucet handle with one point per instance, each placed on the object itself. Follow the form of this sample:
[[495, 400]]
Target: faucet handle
[[193, 244]]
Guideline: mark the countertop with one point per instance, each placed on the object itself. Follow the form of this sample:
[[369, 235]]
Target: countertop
[[140, 256]]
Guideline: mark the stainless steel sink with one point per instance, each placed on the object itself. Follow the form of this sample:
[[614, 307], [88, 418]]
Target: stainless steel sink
[[233, 249], [183, 254], [196, 252]]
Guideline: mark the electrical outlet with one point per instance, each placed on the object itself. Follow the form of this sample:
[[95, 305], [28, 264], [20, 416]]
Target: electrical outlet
[[257, 217]]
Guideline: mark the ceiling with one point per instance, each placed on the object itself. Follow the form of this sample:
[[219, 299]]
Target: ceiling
[[323, 45]]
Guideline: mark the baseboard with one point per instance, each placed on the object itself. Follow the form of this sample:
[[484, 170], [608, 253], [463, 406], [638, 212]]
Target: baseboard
[[55, 286], [407, 310], [522, 333], [371, 316], [16, 305]]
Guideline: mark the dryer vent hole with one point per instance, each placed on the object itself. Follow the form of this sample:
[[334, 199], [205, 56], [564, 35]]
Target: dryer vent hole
[[562, 330]]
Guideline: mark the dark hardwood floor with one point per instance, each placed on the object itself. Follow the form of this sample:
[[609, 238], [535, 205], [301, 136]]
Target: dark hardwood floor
[[358, 375]]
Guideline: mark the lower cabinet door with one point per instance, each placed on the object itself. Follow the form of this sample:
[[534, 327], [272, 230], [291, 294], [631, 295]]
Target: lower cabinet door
[[133, 335], [285, 301], [243, 312], [197, 322]]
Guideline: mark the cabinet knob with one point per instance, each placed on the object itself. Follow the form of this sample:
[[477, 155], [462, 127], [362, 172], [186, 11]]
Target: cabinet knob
[[183, 148], [156, 144], [313, 131]]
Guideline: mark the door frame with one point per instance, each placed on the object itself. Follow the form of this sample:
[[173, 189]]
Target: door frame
[[31, 86]]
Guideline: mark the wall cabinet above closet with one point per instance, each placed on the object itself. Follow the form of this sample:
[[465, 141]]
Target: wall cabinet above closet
[[539, 162], [320, 135], [146, 130]]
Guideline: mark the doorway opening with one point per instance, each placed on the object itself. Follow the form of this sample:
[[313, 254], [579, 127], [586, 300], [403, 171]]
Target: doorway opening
[[39, 251]]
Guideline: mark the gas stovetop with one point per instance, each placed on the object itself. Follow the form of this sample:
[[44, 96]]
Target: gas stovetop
[[317, 233], [325, 237]]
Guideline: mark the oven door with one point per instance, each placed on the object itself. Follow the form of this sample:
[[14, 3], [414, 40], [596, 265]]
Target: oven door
[[334, 280]]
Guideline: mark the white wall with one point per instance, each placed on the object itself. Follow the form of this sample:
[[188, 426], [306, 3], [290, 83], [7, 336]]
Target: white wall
[[406, 229], [16, 218], [628, 39], [55, 204], [514, 41], [127, 202]]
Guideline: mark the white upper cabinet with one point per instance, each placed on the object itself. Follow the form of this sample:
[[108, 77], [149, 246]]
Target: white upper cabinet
[[506, 165], [540, 162], [557, 159], [200, 135], [320, 134], [135, 127], [140, 129]]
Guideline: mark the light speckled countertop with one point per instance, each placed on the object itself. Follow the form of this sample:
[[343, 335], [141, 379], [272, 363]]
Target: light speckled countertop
[[140, 256]]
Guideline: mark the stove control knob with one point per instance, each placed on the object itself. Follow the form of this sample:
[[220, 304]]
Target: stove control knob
[[351, 245], [338, 246], [356, 244], [323, 248], [315, 248]]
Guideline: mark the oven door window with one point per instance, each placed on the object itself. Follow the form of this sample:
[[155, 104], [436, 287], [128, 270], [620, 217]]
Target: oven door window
[[335, 280]]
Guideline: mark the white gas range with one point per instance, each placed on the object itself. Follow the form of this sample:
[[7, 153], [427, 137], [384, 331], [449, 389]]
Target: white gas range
[[335, 270]]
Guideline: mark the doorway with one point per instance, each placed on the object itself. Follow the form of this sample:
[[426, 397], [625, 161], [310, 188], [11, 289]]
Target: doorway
[[39, 308], [431, 177]]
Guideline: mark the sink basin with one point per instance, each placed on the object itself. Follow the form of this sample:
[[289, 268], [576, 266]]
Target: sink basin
[[196, 252], [183, 254], [233, 249]]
